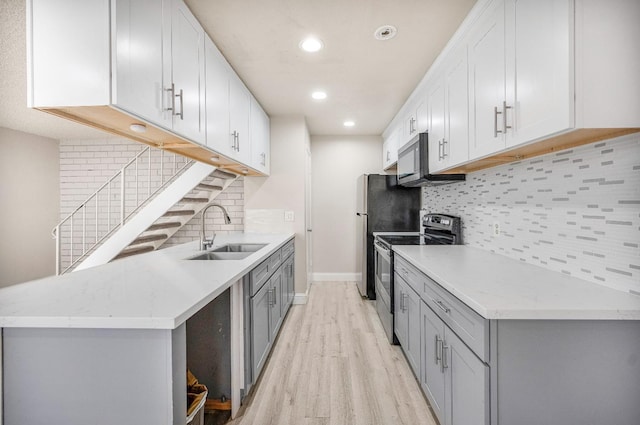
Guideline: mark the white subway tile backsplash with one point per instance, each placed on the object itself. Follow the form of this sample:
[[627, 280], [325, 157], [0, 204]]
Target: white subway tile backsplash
[[576, 211]]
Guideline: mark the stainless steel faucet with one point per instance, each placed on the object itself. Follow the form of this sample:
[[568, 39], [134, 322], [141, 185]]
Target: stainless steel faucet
[[208, 243]]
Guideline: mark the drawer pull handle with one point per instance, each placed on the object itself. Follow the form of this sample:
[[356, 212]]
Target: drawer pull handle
[[445, 364], [443, 307]]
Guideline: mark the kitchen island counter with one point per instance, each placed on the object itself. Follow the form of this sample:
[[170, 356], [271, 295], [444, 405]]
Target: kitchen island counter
[[157, 290]]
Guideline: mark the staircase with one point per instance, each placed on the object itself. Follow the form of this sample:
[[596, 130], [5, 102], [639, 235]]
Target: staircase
[[179, 214], [137, 210]]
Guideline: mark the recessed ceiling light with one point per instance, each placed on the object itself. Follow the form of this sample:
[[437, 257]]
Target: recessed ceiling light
[[349, 123], [385, 32], [311, 44], [138, 128], [215, 157], [319, 95]]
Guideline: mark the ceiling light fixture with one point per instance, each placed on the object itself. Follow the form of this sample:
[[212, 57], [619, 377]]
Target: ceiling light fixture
[[311, 44], [138, 128], [349, 123], [319, 95], [215, 158], [385, 32]]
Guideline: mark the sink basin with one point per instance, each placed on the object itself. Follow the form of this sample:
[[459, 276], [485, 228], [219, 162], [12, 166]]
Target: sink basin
[[221, 256], [239, 247], [232, 251]]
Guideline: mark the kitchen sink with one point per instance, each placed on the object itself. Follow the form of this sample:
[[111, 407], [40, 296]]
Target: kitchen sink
[[232, 251], [221, 256], [239, 247]]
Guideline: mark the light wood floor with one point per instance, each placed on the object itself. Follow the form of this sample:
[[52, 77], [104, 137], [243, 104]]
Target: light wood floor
[[332, 364]]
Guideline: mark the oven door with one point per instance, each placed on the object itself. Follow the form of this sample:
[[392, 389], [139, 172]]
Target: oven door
[[383, 269], [384, 289]]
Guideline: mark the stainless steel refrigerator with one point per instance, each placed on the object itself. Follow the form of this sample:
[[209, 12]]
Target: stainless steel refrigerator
[[382, 206]]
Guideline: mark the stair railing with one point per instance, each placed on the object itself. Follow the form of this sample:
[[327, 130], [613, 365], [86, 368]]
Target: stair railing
[[109, 207]]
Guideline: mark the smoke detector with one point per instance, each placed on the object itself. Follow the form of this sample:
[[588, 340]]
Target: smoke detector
[[385, 32]]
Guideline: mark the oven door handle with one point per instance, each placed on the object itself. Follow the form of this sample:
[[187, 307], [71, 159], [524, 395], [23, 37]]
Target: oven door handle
[[383, 251]]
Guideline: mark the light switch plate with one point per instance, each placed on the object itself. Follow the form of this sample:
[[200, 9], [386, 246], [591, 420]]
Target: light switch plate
[[289, 216]]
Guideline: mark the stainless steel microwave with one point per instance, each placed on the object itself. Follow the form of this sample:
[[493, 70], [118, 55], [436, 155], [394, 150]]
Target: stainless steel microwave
[[413, 165]]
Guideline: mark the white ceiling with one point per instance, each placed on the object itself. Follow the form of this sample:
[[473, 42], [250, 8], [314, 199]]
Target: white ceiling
[[366, 80]]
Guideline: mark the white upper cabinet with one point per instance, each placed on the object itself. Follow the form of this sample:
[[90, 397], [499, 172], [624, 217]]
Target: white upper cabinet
[[217, 100], [416, 117], [239, 110], [449, 115], [487, 83], [260, 138], [138, 84], [542, 75], [455, 148], [390, 148], [185, 88], [436, 124], [539, 84], [520, 79], [113, 63]]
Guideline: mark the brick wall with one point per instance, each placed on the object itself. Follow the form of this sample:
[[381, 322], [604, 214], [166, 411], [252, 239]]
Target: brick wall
[[85, 165]]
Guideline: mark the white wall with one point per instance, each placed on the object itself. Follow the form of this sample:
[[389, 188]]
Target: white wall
[[337, 162], [29, 206], [266, 198]]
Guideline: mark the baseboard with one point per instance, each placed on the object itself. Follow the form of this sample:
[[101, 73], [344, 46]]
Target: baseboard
[[336, 277], [300, 299]]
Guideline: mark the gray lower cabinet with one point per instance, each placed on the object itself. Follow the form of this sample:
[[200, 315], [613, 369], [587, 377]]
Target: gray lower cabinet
[[431, 366], [260, 329], [525, 372], [407, 321], [288, 271], [276, 307], [451, 374], [269, 293]]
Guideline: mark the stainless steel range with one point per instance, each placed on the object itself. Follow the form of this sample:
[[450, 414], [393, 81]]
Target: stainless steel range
[[437, 229]]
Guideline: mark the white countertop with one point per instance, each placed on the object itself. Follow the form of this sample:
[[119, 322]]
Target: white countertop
[[158, 290], [497, 287]]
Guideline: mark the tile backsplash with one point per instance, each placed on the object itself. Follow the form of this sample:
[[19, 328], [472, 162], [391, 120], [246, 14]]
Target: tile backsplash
[[576, 211]]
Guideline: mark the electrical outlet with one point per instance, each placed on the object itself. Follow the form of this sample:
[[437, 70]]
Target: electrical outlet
[[496, 228], [289, 216]]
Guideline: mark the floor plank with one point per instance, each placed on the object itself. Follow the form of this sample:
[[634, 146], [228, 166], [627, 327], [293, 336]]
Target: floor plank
[[332, 365]]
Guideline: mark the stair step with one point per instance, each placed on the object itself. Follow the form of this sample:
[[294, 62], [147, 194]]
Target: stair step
[[178, 213], [222, 175], [149, 238], [127, 252], [160, 226], [204, 186], [191, 200]]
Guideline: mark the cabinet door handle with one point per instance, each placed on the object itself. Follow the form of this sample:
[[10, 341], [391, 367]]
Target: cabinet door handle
[[181, 114], [504, 116], [444, 151], [238, 141], [443, 307], [438, 347], [495, 121], [172, 90], [445, 363], [234, 144], [404, 304]]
